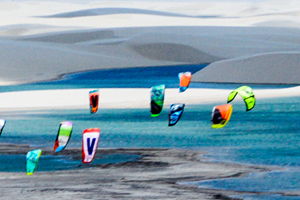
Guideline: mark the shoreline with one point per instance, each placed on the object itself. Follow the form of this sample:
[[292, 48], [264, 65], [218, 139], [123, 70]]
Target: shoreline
[[128, 98], [156, 175]]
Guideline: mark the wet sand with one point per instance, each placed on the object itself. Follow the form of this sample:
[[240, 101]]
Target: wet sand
[[155, 176]]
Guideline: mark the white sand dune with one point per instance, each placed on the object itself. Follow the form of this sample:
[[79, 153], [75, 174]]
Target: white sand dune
[[66, 37], [24, 58], [245, 13], [272, 68], [115, 10]]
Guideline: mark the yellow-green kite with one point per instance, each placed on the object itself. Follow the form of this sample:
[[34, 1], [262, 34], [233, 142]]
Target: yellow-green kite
[[246, 93]]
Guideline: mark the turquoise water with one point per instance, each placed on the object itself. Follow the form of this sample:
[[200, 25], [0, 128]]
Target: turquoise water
[[267, 135], [267, 197], [16, 163], [139, 77]]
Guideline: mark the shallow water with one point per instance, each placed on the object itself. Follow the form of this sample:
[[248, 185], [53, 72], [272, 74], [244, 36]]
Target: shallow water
[[266, 197], [267, 135], [288, 180], [140, 77], [16, 163]]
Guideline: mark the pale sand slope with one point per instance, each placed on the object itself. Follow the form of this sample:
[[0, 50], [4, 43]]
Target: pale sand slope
[[25, 59], [154, 176], [271, 68], [115, 98], [105, 34], [71, 15]]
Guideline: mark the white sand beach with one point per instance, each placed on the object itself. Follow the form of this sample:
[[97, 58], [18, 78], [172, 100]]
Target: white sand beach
[[243, 42], [120, 98]]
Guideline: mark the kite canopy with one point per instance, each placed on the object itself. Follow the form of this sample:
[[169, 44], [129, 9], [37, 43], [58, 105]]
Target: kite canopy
[[184, 80], [221, 115], [157, 100], [175, 113], [94, 99], [246, 93], [90, 140], [2, 124], [63, 136], [32, 158]]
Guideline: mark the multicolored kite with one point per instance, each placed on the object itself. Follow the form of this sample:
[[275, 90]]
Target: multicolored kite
[[63, 136], [184, 80], [94, 99], [175, 113], [157, 100], [2, 124], [221, 115], [90, 140]]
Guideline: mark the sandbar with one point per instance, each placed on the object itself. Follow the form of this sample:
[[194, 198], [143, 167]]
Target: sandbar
[[156, 175]]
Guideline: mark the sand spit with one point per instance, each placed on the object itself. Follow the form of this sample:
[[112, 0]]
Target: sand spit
[[123, 98], [154, 176], [110, 98]]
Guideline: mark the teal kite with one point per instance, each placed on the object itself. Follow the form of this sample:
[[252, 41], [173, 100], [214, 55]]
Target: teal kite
[[32, 158], [157, 100]]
